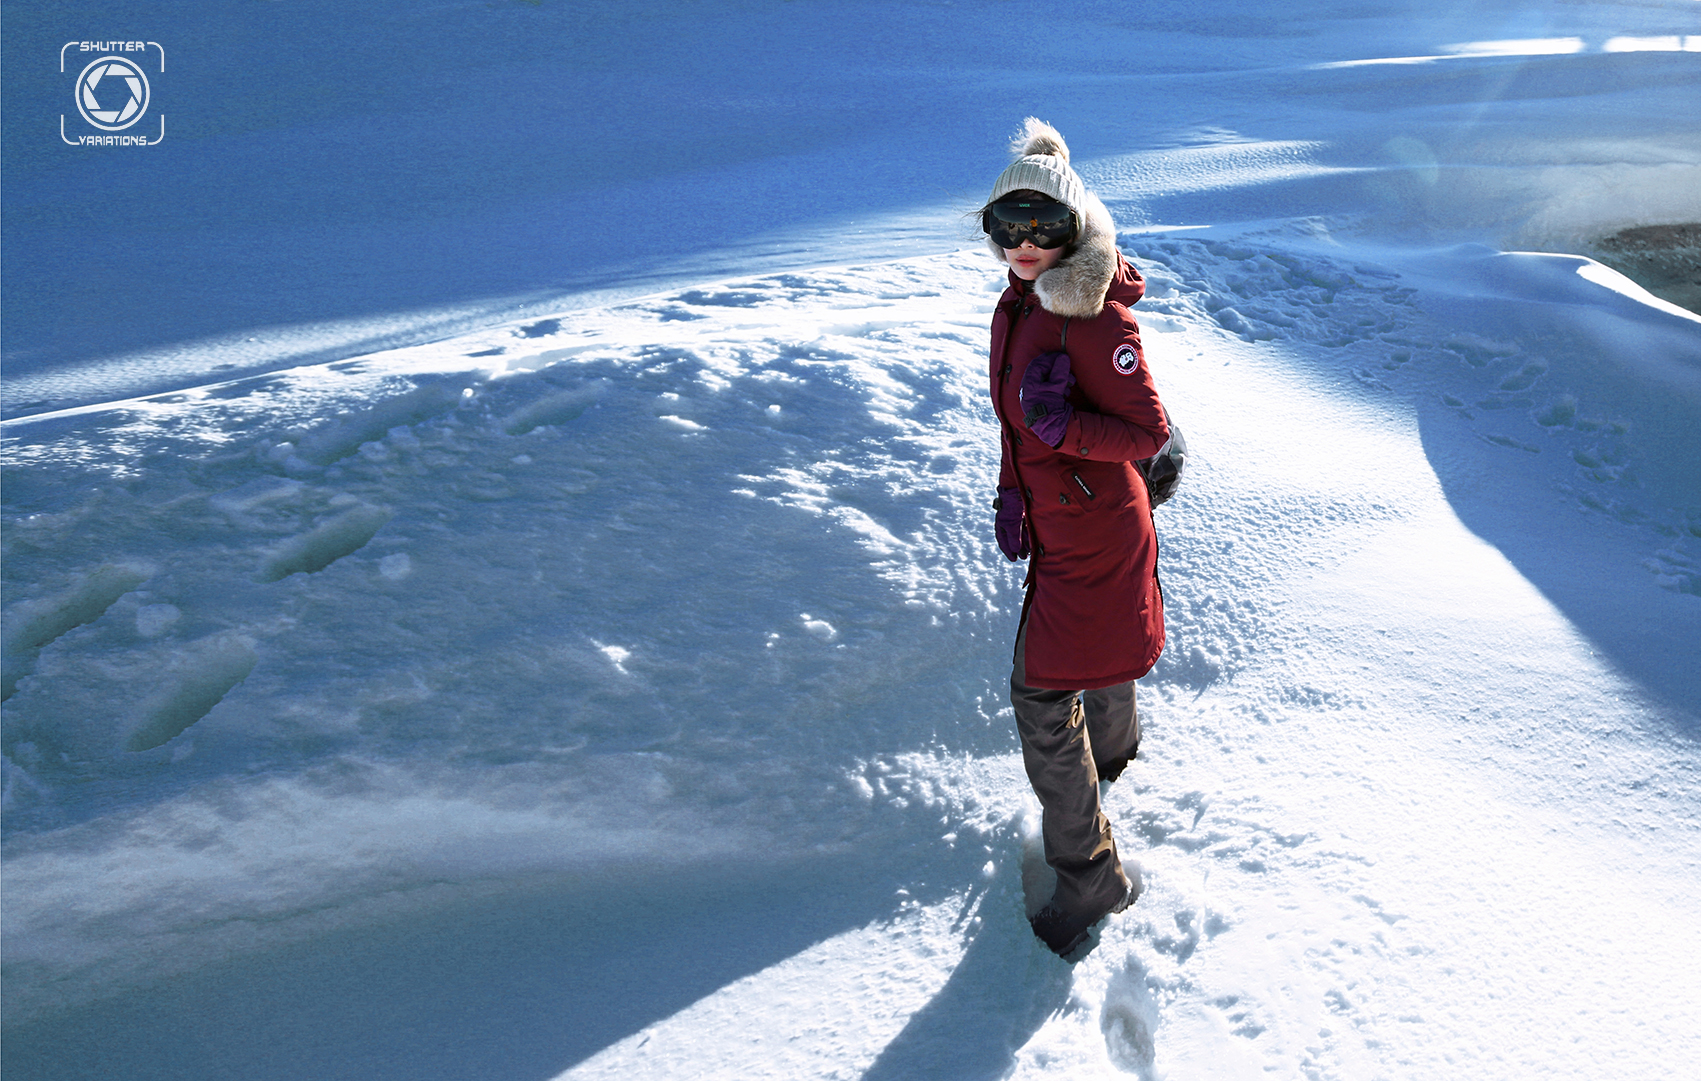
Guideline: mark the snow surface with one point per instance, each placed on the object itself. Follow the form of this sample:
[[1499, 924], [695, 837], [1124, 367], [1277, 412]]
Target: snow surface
[[448, 639]]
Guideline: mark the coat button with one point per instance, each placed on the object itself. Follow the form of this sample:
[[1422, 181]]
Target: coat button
[[1063, 499]]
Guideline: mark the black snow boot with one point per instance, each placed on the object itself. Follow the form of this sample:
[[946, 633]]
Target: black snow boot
[[1064, 932]]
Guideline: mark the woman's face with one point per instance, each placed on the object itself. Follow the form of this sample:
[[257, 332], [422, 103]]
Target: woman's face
[[1029, 262]]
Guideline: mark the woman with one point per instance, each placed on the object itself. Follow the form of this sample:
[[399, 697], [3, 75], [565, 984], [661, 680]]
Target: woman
[[1077, 407]]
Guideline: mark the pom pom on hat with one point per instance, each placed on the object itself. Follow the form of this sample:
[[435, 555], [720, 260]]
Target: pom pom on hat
[[1042, 164], [1039, 138]]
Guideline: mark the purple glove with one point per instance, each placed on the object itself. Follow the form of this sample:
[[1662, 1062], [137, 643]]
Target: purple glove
[[1012, 538], [1045, 397]]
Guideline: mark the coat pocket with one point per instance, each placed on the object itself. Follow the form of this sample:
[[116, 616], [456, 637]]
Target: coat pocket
[[1075, 494]]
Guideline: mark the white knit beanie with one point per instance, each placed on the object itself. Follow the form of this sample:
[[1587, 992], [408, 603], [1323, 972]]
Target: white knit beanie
[[1042, 164]]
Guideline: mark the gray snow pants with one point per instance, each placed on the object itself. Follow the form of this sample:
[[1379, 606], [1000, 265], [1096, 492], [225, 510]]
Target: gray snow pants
[[1070, 738]]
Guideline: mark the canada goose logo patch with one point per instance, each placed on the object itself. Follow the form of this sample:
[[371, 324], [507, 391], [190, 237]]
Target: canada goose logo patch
[[1125, 360]]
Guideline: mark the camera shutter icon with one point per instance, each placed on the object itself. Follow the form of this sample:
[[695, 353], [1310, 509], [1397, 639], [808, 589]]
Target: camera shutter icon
[[112, 93]]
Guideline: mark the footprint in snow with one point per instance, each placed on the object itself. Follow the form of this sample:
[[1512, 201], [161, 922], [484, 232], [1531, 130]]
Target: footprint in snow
[[1129, 1022], [32, 625], [324, 544], [200, 676]]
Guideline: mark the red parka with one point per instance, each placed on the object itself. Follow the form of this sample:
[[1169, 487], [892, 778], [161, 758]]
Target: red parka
[[1094, 610]]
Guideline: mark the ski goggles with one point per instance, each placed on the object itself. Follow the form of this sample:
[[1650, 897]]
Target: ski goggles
[[1011, 221]]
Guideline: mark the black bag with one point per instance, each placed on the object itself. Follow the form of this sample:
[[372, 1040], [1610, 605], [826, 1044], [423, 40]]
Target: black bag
[[1163, 469]]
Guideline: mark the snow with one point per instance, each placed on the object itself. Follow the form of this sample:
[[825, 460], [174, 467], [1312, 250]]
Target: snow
[[443, 639]]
